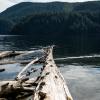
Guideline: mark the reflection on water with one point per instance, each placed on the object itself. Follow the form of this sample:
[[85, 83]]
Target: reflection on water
[[83, 80], [13, 42], [11, 71]]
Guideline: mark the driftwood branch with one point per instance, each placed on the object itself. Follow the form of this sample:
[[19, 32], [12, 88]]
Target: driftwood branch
[[51, 84], [26, 67]]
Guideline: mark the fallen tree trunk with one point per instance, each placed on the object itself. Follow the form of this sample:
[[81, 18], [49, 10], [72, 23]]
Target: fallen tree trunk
[[49, 85]]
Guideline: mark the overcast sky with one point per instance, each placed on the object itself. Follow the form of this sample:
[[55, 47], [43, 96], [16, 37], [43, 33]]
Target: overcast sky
[[4, 4]]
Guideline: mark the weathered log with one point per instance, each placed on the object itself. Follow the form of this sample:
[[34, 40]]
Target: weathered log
[[9, 54], [15, 89], [51, 84]]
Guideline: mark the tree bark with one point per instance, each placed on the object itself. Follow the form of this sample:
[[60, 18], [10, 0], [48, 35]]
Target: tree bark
[[51, 84]]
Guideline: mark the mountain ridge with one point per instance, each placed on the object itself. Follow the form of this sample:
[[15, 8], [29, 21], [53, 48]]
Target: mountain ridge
[[17, 13]]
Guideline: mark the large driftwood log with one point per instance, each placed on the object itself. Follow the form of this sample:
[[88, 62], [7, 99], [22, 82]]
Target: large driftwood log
[[49, 85]]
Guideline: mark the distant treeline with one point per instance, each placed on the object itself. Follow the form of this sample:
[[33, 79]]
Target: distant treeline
[[55, 17], [60, 24]]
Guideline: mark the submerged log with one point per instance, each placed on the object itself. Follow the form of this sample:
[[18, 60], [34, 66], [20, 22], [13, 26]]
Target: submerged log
[[49, 85]]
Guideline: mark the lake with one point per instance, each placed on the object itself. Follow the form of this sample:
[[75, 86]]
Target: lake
[[82, 73]]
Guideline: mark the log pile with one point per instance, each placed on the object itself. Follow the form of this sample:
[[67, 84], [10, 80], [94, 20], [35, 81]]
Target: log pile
[[49, 85]]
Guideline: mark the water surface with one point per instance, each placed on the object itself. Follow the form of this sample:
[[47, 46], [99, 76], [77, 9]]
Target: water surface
[[82, 74]]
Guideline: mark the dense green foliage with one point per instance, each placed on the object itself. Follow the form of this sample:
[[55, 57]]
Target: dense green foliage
[[66, 17], [5, 26], [73, 23]]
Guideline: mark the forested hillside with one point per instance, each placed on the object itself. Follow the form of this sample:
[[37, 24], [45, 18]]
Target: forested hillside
[[66, 17]]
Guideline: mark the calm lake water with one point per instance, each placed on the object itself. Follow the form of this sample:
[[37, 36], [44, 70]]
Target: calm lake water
[[82, 74]]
